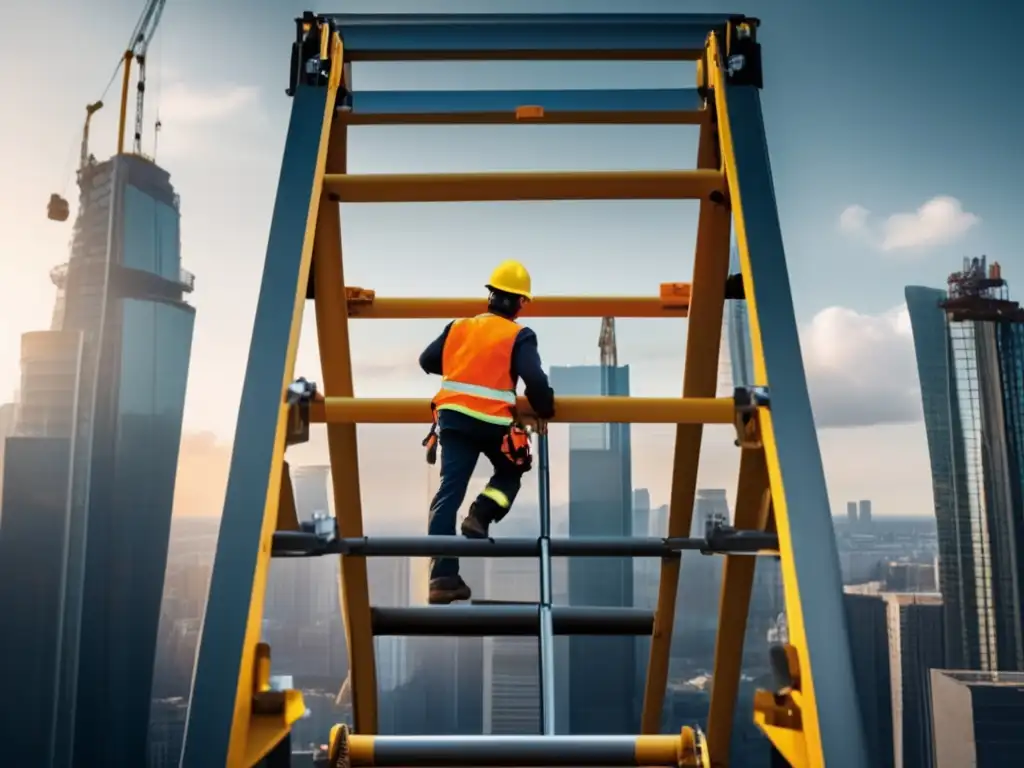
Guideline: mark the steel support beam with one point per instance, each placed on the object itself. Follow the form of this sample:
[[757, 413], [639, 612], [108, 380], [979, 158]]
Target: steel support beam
[[564, 36], [509, 751], [298, 543], [223, 727], [522, 186], [507, 620], [830, 721], [680, 106], [573, 410]]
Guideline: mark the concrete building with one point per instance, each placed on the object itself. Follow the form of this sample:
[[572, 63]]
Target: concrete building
[[976, 718], [895, 640]]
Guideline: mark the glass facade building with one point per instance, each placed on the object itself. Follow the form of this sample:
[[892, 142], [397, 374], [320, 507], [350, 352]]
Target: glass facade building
[[109, 380], [600, 504], [969, 342]]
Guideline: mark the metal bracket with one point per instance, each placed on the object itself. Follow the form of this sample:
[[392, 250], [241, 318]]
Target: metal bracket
[[322, 526], [338, 752], [778, 712], [298, 396], [743, 53], [748, 401], [359, 297], [735, 289], [310, 65], [724, 539]]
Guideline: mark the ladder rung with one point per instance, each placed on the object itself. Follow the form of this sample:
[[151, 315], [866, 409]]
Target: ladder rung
[[437, 37], [466, 751], [515, 186], [508, 620], [629, 106], [573, 410], [378, 308], [301, 543]]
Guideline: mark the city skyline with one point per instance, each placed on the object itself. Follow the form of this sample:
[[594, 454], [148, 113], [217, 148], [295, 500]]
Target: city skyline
[[128, 565], [910, 224]]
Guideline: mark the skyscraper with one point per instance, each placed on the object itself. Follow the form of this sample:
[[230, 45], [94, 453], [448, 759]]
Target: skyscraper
[[600, 504], [969, 343], [851, 512], [896, 639], [102, 397], [511, 664], [864, 512]]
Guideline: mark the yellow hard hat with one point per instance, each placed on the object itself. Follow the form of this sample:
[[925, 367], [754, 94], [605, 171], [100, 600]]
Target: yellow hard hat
[[511, 277]]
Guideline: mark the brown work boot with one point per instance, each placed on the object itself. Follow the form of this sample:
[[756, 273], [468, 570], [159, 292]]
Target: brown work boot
[[476, 524], [448, 589], [474, 528]]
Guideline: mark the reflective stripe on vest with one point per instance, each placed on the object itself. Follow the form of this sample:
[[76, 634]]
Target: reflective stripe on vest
[[477, 362]]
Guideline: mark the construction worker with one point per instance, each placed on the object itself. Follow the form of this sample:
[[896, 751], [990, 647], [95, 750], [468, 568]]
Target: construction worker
[[481, 359]]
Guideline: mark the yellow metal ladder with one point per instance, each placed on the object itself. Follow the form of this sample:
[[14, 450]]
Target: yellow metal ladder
[[811, 715]]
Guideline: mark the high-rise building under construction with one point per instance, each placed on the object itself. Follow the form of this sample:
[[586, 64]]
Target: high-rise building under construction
[[89, 478], [969, 342]]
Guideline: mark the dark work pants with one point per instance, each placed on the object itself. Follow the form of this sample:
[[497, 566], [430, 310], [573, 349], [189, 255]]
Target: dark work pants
[[463, 440]]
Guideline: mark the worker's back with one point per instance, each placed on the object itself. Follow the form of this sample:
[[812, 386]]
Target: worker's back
[[479, 351]]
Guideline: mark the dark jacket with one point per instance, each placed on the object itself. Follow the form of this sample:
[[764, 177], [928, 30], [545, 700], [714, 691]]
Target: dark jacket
[[526, 365]]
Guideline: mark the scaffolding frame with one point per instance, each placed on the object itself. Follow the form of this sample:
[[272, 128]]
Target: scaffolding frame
[[235, 716]]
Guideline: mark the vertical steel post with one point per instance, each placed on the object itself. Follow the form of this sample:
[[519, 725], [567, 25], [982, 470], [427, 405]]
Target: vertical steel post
[[547, 634]]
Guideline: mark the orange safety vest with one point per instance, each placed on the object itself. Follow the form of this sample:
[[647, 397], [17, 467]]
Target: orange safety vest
[[477, 364]]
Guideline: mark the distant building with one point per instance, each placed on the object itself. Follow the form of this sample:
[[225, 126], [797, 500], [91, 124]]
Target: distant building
[[600, 504], [108, 380], [36, 515], [851, 512], [976, 718], [867, 624], [969, 342], [864, 512], [511, 664], [915, 647], [8, 411], [895, 639]]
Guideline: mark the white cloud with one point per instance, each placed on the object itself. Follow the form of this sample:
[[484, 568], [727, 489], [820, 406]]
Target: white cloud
[[854, 220], [861, 369], [186, 104], [939, 221]]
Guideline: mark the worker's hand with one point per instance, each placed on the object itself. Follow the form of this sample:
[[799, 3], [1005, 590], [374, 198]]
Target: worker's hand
[[536, 425]]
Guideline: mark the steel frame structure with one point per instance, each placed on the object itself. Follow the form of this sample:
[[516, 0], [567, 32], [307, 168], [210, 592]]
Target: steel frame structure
[[235, 717]]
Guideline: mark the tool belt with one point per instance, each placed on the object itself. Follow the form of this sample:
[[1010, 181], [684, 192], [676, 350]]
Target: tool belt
[[515, 446]]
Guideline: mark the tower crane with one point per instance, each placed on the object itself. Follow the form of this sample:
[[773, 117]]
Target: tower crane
[[137, 50], [58, 208]]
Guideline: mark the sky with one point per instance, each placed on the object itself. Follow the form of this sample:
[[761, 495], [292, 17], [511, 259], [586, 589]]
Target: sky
[[892, 160]]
